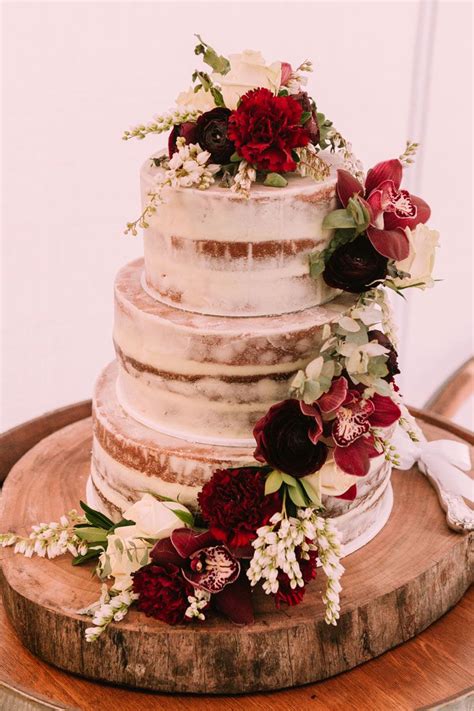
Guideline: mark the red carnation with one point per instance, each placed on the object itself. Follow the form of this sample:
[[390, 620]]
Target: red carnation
[[288, 438], [162, 592], [265, 128], [293, 596], [234, 505]]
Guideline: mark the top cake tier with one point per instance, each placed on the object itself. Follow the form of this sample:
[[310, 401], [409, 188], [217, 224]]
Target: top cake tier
[[215, 252]]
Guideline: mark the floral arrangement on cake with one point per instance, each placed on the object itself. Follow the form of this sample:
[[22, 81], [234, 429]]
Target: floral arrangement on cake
[[245, 122], [264, 523]]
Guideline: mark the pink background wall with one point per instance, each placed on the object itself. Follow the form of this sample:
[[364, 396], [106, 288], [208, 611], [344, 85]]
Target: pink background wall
[[76, 74]]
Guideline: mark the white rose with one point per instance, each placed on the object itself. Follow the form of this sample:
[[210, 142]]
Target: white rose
[[420, 261], [124, 556], [153, 518], [247, 71], [331, 480], [199, 100]]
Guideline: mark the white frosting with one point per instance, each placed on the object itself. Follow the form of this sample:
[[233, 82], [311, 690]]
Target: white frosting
[[215, 252], [207, 378]]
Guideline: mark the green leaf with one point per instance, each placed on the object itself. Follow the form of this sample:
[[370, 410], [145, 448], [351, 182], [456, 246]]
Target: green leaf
[[311, 492], [96, 518], [219, 64], [316, 264], [304, 117], [275, 180], [91, 554], [185, 516], [235, 158], [283, 92], [290, 480], [91, 534], [297, 496], [123, 522], [217, 96], [273, 482], [339, 219]]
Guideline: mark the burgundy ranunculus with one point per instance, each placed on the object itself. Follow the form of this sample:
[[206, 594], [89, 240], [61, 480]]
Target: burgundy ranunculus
[[266, 128], [186, 130], [311, 124], [293, 596], [392, 360], [234, 505], [289, 440], [162, 592], [355, 267], [211, 134]]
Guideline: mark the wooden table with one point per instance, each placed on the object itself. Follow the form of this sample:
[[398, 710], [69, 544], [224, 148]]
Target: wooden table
[[435, 666]]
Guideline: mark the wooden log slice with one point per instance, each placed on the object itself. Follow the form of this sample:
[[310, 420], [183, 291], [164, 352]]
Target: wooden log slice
[[397, 585]]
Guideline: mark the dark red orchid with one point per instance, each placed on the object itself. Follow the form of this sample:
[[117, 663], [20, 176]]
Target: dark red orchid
[[208, 565], [354, 418], [390, 208]]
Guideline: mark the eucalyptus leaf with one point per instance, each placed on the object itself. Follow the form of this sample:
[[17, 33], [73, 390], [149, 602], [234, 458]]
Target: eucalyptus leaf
[[339, 219], [304, 117], [316, 264], [235, 158], [273, 482], [275, 180], [219, 64], [217, 96]]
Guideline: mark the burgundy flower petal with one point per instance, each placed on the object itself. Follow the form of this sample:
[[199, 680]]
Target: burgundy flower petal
[[188, 542], [235, 601], [164, 552], [355, 459], [392, 244], [423, 212], [348, 495], [334, 398], [347, 186], [315, 430], [386, 170], [386, 412], [212, 569]]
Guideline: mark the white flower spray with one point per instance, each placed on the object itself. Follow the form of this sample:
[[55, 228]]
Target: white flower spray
[[275, 551], [162, 123], [49, 540], [112, 606], [197, 603], [188, 167], [243, 179]]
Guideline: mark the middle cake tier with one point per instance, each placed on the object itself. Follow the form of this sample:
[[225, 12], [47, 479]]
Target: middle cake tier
[[207, 378]]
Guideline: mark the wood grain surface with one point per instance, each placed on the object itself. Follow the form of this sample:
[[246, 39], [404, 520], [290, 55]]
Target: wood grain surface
[[455, 655]]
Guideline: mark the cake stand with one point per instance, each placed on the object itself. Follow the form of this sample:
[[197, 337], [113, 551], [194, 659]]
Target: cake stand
[[393, 588]]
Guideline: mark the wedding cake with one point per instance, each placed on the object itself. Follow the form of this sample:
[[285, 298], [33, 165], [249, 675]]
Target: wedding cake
[[243, 434]]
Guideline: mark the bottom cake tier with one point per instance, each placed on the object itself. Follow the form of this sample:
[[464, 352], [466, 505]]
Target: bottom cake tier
[[129, 459]]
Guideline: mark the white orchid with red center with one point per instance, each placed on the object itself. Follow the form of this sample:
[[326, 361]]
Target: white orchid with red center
[[386, 208], [349, 419]]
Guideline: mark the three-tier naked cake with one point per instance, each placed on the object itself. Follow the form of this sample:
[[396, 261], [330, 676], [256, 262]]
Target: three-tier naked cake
[[210, 330], [243, 435]]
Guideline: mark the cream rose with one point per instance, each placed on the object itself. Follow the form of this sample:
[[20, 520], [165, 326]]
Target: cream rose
[[153, 518], [123, 556], [195, 100], [420, 261], [247, 71], [331, 480]]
